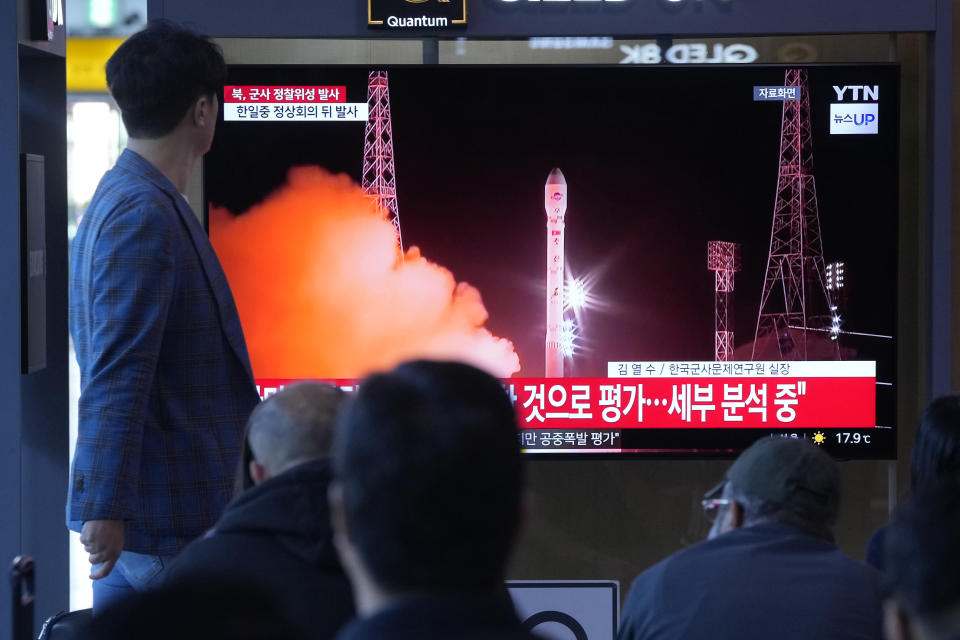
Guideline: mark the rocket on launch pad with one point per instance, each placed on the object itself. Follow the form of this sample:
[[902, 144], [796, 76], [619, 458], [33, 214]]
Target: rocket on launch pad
[[555, 204]]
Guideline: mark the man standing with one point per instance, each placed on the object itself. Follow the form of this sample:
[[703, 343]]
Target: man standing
[[770, 568], [277, 534], [166, 385], [426, 505]]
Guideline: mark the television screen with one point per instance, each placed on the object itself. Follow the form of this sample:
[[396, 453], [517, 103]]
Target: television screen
[[656, 261]]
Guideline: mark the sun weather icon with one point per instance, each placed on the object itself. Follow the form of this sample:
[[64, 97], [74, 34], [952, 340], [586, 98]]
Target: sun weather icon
[[819, 438]]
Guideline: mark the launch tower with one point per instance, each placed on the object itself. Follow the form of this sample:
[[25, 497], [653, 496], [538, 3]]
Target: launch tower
[[795, 304], [379, 172]]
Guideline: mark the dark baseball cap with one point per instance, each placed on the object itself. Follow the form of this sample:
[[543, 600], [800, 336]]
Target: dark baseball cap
[[794, 474]]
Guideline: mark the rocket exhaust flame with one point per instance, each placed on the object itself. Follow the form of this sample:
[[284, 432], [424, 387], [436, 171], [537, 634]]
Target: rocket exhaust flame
[[322, 294]]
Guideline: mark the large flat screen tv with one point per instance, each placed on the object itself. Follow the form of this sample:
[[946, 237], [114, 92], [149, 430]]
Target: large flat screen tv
[[656, 261]]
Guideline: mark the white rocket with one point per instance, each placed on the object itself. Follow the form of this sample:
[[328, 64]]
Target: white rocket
[[555, 204]]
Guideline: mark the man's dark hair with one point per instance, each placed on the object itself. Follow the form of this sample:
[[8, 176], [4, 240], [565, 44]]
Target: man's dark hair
[[429, 462], [158, 73], [922, 561], [936, 451]]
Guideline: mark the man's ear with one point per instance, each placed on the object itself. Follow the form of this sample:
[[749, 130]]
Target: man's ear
[[203, 110], [734, 516], [896, 621], [258, 472]]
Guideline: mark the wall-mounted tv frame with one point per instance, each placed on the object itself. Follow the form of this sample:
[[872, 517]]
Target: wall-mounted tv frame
[[728, 249]]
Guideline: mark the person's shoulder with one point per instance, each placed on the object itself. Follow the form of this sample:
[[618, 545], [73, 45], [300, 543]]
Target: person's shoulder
[[866, 575], [655, 572], [678, 566], [646, 585], [121, 192], [132, 216], [829, 559], [642, 602], [693, 554]]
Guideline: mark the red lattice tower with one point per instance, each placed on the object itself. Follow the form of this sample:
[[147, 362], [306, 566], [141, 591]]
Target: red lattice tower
[[379, 172], [795, 304], [723, 258]]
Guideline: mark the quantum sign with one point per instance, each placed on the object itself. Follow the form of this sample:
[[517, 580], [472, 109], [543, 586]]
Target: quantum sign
[[416, 14]]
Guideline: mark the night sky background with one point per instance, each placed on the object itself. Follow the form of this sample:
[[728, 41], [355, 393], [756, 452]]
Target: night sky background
[[658, 161]]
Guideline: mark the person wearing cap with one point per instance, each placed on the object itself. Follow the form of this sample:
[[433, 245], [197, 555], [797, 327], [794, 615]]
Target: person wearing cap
[[770, 568]]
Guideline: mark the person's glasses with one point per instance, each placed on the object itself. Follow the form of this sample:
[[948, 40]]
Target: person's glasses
[[711, 507]]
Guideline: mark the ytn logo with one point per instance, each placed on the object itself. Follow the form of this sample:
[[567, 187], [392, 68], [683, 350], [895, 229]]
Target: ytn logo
[[858, 92]]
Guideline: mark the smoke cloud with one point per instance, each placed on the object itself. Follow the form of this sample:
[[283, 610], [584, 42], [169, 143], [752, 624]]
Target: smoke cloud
[[322, 292]]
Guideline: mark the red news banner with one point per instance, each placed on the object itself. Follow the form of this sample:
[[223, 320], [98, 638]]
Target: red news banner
[[685, 395], [276, 94], [285, 103]]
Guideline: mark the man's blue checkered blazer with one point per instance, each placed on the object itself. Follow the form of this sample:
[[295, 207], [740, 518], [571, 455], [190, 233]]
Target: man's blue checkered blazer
[[165, 379]]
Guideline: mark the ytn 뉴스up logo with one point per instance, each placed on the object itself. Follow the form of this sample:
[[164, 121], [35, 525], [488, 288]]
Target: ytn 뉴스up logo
[[857, 113]]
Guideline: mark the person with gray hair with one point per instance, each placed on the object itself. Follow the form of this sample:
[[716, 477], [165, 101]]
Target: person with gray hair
[[277, 533], [769, 568], [292, 427]]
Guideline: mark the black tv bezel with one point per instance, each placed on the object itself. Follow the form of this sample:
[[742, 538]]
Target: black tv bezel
[[890, 451]]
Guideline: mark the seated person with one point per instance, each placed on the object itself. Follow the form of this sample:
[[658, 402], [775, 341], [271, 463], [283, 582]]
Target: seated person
[[936, 453], [427, 504], [770, 568], [922, 560], [277, 534], [201, 610]]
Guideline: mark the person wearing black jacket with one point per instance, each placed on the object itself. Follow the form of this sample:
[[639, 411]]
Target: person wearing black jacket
[[427, 504], [277, 534]]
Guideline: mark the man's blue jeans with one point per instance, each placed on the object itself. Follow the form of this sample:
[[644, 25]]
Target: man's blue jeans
[[134, 572]]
